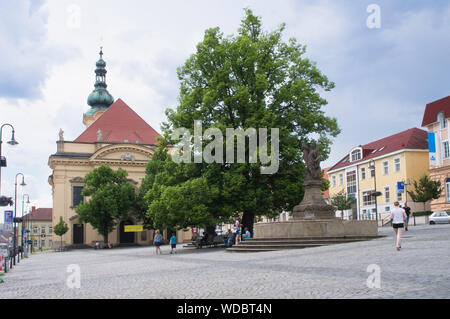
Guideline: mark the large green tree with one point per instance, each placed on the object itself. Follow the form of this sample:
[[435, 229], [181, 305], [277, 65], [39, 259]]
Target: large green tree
[[425, 189], [342, 201], [252, 79], [111, 198]]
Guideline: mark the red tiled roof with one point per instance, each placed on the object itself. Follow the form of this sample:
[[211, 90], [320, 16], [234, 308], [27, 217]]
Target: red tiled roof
[[120, 123], [413, 138], [432, 109], [40, 214]]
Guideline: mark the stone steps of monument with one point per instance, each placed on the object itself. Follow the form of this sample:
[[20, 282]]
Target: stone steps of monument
[[312, 238], [274, 246], [266, 244], [300, 242]]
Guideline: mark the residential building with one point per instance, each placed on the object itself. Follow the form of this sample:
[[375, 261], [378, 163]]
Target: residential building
[[115, 136], [39, 222], [401, 157], [436, 120]]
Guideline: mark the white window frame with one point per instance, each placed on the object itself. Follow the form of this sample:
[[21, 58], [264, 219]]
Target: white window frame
[[388, 188], [442, 120], [385, 168], [447, 188], [333, 180], [399, 164], [445, 150], [363, 173], [341, 179]]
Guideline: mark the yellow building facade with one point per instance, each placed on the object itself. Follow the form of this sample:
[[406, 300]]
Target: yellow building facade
[[379, 167]]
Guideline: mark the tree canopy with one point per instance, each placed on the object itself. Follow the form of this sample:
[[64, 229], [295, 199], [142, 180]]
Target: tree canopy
[[425, 189], [111, 199], [251, 80]]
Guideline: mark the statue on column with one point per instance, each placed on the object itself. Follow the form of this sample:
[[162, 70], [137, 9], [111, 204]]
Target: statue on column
[[312, 206], [61, 135]]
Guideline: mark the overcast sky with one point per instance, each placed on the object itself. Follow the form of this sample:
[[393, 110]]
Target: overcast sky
[[384, 76]]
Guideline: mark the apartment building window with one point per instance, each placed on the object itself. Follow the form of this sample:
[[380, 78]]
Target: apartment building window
[[35, 243], [341, 179], [372, 171], [50, 230], [447, 188], [35, 230], [368, 199], [43, 229], [333, 180], [50, 243], [442, 120], [399, 196], [363, 173], [356, 155], [446, 150], [387, 209], [387, 195], [397, 166], [386, 168], [351, 182]]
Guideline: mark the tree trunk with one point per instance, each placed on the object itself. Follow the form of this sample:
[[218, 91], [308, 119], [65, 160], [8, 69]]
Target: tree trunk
[[211, 231], [248, 220]]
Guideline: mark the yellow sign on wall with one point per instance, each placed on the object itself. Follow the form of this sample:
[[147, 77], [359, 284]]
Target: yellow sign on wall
[[133, 228]]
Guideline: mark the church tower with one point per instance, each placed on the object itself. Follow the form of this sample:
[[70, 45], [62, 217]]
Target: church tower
[[100, 99]]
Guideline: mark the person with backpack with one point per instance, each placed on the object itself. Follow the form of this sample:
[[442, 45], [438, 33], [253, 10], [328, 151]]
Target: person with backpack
[[157, 241]]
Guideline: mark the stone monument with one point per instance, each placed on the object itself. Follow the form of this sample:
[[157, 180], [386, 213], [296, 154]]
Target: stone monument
[[313, 217], [312, 206]]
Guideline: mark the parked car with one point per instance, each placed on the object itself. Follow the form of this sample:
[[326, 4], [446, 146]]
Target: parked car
[[439, 218]]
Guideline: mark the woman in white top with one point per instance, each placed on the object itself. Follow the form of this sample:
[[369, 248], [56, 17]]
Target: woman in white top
[[398, 216]]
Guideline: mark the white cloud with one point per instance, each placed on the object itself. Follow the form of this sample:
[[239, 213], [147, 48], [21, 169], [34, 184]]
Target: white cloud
[[383, 77]]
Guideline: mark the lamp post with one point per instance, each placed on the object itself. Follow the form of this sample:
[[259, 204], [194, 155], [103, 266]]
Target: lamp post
[[11, 142], [372, 166], [15, 208], [24, 223]]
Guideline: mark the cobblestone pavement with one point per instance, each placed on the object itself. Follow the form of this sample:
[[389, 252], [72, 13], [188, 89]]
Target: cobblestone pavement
[[419, 270]]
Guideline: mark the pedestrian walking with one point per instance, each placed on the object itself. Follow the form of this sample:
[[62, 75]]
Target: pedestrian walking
[[173, 244], [157, 240], [408, 212], [398, 216]]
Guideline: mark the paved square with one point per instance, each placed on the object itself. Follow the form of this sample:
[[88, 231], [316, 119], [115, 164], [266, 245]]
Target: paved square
[[419, 270]]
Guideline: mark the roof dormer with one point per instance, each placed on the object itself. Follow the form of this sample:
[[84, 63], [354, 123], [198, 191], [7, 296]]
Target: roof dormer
[[356, 154]]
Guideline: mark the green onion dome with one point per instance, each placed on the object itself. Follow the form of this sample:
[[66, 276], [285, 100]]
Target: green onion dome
[[100, 97]]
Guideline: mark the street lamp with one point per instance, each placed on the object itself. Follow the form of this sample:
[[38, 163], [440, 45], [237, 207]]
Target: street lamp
[[11, 142], [24, 222], [372, 166], [15, 208]]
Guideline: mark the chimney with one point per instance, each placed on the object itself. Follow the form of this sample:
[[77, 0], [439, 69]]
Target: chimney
[[33, 208]]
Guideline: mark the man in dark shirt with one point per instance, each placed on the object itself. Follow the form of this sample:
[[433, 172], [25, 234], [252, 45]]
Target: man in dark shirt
[[408, 212]]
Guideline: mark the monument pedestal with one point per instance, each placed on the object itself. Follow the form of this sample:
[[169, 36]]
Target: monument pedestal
[[313, 206], [298, 228]]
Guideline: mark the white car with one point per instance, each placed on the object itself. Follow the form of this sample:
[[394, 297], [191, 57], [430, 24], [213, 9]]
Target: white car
[[439, 218]]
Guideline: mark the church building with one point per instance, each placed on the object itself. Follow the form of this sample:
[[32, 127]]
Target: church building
[[114, 136]]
